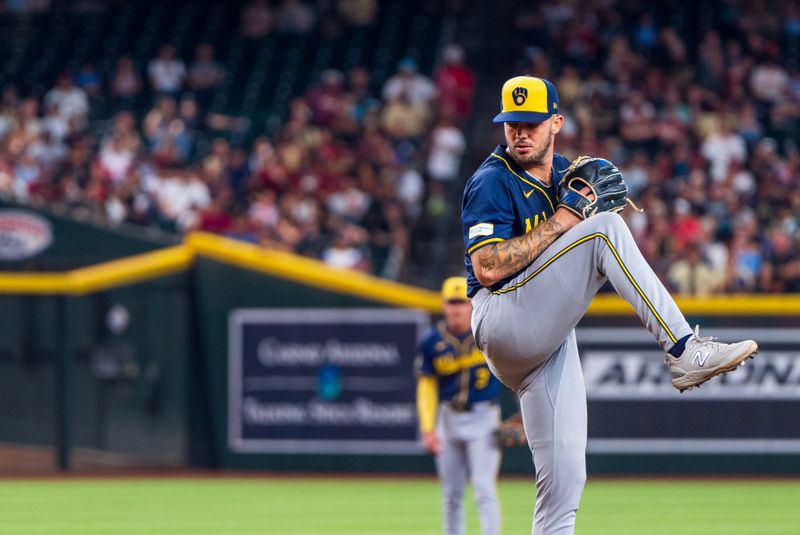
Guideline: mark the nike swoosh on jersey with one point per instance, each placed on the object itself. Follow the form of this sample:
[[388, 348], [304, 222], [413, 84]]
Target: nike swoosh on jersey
[[529, 193]]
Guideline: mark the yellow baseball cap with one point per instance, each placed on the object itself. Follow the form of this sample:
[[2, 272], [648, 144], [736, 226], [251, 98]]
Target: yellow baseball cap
[[454, 288], [526, 99]]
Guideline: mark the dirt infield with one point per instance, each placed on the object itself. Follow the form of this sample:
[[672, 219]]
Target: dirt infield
[[23, 461], [19, 461]]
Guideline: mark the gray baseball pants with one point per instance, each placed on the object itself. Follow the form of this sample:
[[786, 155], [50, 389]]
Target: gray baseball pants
[[526, 331], [469, 452]]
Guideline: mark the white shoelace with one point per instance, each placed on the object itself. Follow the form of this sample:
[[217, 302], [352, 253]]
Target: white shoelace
[[705, 339]]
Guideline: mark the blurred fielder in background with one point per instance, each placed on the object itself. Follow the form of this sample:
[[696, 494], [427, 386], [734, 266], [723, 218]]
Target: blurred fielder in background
[[542, 237], [459, 413]]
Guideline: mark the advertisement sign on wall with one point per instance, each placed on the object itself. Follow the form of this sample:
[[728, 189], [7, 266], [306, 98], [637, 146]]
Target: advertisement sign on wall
[[633, 407], [323, 380], [23, 234]]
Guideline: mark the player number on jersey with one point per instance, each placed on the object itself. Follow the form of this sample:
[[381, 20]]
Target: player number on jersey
[[482, 378]]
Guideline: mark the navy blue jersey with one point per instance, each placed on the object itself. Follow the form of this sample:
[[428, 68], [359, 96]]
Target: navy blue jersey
[[459, 366], [502, 201]]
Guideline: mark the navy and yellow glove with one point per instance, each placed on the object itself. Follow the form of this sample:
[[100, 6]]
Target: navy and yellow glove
[[608, 189]]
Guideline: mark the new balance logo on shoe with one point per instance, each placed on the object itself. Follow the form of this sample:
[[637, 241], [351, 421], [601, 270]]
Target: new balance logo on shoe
[[700, 358], [704, 358]]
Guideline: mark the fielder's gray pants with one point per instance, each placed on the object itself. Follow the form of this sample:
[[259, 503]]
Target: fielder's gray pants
[[526, 332], [469, 452]]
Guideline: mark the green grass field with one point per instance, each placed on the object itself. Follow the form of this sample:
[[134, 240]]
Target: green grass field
[[349, 506]]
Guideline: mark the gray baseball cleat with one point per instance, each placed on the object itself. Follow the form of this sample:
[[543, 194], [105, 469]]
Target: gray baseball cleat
[[704, 358]]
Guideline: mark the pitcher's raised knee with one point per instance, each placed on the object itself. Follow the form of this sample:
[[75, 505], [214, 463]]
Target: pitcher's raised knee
[[606, 221]]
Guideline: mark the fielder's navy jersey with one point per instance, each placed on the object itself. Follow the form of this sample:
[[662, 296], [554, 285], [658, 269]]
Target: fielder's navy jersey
[[461, 370], [502, 201]]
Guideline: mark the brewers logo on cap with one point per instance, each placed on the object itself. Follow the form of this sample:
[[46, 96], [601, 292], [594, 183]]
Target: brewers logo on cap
[[519, 94], [455, 288], [526, 99]]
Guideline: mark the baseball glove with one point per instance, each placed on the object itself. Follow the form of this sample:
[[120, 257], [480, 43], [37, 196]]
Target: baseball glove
[[602, 178], [511, 433]]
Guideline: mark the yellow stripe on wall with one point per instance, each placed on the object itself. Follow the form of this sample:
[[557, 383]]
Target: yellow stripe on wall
[[131, 269], [36, 283], [722, 305], [99, 277], [138, 268], [312, 272]]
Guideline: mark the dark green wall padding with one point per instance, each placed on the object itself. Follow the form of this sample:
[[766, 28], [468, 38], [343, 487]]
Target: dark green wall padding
[[79, 243], [174, 411]]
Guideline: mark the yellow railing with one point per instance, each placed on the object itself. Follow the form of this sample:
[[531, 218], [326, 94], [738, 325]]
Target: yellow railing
[[312, 272], [720, 305], [142, 267], [99, 277]]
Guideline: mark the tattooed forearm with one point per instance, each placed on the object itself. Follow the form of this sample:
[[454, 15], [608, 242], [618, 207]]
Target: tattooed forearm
[[497, 261]]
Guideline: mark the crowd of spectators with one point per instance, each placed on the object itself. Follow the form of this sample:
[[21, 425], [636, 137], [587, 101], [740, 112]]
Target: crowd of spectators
[[702, 118], [344, 179], [700, 108]]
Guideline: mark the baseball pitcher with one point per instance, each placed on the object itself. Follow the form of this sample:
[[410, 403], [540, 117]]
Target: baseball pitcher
[[542, 236], [459, 413]]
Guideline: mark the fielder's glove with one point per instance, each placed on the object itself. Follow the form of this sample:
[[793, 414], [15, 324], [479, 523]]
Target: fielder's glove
[[511, 433], [602, 178]]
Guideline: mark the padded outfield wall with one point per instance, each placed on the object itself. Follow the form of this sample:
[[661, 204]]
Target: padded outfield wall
[[744, 423], [127, 386], [241, 358]]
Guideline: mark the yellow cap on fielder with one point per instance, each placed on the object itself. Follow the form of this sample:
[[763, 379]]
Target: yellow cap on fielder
[[454, 288], [526, 99]]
